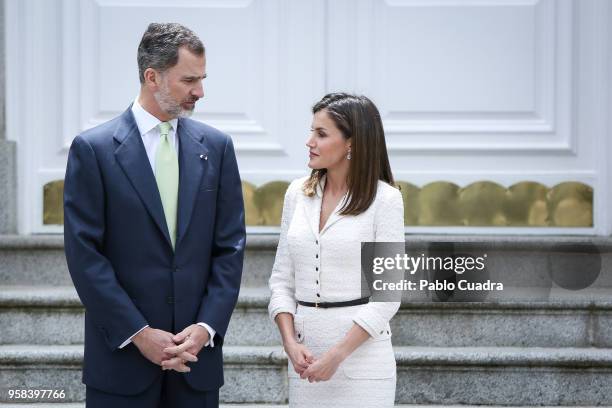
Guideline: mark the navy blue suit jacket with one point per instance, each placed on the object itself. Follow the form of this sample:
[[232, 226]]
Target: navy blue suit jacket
[[120, 256]]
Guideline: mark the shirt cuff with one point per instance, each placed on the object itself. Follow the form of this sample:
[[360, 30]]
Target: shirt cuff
[[128, 341], [211, 333]]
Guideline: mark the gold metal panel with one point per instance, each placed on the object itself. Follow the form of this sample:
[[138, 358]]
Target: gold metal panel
[[526, 205], [251, 214], [269, 202], [441, 203], [410, 194], [53, 203], [571, 205], [481, 204]]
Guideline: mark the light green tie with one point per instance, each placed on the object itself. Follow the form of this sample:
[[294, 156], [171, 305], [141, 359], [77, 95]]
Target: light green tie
[[167, 176]]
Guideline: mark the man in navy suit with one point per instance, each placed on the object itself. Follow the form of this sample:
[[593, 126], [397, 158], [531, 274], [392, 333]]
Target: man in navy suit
[[154, 236]]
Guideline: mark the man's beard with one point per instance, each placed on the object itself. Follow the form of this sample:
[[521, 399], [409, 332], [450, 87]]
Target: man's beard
[[169, 105]]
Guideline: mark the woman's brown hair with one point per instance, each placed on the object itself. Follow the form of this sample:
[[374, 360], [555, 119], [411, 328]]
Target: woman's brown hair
[[358, 119]]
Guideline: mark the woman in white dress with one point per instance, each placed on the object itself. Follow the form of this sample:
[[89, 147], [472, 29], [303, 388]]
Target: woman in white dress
[[338, 342]]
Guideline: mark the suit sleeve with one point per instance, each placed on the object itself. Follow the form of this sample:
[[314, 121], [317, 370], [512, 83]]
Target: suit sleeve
[[282, 279], [106, 302], [227, 255], [389, 227]]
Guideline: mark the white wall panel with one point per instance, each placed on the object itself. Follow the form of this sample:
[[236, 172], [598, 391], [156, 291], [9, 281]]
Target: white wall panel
[[503, 90], [462, 76]]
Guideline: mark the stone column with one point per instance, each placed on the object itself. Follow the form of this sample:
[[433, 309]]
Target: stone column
[[8, 169]]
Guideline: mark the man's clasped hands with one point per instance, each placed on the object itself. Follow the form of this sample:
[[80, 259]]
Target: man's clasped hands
[[172, 351]]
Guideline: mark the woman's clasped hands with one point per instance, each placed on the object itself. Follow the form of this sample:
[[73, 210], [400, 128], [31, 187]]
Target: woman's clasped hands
[[311, 368]]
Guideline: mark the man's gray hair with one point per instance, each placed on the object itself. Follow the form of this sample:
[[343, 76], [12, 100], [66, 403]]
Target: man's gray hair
[[160, 43]]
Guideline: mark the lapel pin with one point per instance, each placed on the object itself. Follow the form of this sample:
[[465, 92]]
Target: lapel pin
[[203, 157]]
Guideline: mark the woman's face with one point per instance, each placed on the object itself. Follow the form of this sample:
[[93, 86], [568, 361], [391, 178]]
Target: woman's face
[[327, 147]]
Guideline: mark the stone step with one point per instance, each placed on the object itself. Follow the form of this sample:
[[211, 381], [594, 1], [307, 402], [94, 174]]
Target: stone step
[[439, 376], [40, 260], [526, 262], [82, 405], [54, 315], [252, 374]]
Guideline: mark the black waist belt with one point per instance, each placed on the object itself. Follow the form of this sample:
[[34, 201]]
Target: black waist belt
[[326, 305]]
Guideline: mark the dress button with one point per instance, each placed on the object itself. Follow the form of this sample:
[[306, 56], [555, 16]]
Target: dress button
[[317, 268], [317, 256], [318, 295], [317, 282], [317, 241], [382, 331]]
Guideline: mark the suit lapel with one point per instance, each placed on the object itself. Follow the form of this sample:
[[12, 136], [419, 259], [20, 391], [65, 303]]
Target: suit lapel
[[333, 218], [313, 213], [133, 160], [313, 210], [193, 159]]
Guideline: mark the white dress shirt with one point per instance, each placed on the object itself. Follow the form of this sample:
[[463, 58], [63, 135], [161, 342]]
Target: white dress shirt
[[149, 130]]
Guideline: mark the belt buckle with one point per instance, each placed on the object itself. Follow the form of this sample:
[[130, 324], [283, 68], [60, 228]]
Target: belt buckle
[[316, 305]]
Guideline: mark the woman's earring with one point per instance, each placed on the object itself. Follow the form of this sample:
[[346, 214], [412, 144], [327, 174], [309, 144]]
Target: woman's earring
[[348, 156]]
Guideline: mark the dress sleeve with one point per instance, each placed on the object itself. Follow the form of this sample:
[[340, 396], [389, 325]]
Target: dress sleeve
[[282, 279], [389, 227]]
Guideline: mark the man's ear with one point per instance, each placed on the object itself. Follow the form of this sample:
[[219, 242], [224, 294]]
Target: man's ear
[[151, 78]]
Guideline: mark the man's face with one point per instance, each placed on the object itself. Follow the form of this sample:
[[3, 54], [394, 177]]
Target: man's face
[[181, 85]]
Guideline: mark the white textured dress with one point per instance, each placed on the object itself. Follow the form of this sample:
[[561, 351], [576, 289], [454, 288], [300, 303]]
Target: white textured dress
[[325, 266]]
